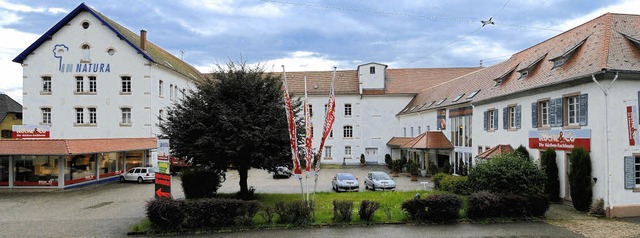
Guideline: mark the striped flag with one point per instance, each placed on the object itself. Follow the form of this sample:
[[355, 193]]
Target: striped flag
[[328, 121], [292, 128], [308, 128]]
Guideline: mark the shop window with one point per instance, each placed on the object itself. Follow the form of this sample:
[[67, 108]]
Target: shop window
[[34, 170], [4, 170], [126, 84], [134, 159], [348, 132], [80, 168], [111, 164], [511, 117]]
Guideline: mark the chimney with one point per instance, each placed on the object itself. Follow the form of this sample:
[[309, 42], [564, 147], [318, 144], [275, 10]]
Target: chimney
[[143, 39]]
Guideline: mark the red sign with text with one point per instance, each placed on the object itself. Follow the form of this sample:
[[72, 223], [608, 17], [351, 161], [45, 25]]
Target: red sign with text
[[29, 132], [631, 126], [560, 139]]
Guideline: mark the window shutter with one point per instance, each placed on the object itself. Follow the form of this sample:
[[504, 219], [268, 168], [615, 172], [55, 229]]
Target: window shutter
[[552, 112], [534, 114], [584, 103], [495, 119], [486, 114], [518, 117], [505, 118], [558, 111]]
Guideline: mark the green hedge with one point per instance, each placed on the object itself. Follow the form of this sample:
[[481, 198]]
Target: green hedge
[[489, 205], [200, 213], [435, 208], [507, 174]]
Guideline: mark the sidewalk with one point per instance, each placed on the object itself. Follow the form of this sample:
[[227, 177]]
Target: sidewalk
[[565, 216]]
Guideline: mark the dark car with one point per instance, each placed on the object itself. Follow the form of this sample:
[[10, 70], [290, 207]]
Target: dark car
[[345, 182], [281, 172]]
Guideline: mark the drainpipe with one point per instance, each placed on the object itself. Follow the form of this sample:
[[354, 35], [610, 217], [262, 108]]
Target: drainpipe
[[605, 91]]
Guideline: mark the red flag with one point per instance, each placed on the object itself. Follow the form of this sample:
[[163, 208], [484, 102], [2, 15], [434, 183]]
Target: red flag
[[308, 128], [292, 129], [328, 121]]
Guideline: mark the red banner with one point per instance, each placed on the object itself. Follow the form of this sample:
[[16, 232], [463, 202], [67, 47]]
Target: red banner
[[328, 122], [309, 133], [631, 126], [292, 129], [163, 185]]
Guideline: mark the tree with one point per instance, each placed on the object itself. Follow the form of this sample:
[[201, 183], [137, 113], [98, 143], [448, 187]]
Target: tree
[[235, 118], [550, 167], [522, 152], [580, 179]]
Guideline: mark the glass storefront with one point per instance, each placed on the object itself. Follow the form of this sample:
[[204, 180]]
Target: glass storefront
[[31, 170], [134, 159], [4, 170], [111, 164], [80, 168]]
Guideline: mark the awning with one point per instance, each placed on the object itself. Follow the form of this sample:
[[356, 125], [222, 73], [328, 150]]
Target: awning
[[427, 140], [494, 151], [74, 146]]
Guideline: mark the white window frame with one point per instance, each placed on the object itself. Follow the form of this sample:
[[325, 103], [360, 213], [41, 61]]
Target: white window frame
[[46, 84], [46, 115], [171, 91], [572, 110], [79, 115], [543, 116], [160, 88], [125, 84], [347, 151], [491, 120], [327, 151], [348, 109], [347, 131], [636, 165], [511, 123], [93, 84], [93, 115], [125, 118], [79, 84], [372, 70]]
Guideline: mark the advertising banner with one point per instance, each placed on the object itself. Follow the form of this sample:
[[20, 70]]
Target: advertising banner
[[461, 112], [560, 139], [163, 185], [163, 179], [163, 149], [442, 119], [29, 131], [632, 128]]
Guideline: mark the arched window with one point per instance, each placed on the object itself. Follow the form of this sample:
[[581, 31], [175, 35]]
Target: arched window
[[86, 52]]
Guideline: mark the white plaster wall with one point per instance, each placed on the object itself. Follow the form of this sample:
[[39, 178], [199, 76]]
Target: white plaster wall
[[371, 81]]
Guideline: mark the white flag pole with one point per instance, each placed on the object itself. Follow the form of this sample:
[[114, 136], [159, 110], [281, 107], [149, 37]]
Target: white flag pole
[[317, 172]]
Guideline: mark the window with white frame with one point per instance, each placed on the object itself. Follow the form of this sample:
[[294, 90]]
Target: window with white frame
[[347, 109], [93, 84], [79, 115], [46, 115], [46, 84], [543, 113], [347, 151], [491, 120], [126, 116], [160, 89], [79, 84], [175, 93], [171, 91], [126, 84], [327, 152], [160, 114], [512, 117], [348, 132], [93, 115], [572, 108]]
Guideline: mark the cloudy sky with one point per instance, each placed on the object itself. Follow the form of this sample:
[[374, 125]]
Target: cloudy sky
[[313, 34]]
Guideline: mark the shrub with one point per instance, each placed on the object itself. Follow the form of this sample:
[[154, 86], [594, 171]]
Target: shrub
[[580, 179], [537, 205], [367, 209], [165, 213], [443, 207], [296, 212], [246, 212], [342, 210], [212, 212], [550, 167], [437, 178], [199, 183], [413, 168], [455, 184], [397, 166], [267, 213], [597, 207], [362, 159], [513, 205], [432, 168], [415, 208], [388, 161], [507, 174], [484, 205], [522, 152]]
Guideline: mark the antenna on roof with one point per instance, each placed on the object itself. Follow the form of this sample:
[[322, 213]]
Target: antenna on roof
[[182, 54]]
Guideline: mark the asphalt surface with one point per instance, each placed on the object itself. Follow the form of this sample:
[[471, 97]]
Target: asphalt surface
[[109, 210]]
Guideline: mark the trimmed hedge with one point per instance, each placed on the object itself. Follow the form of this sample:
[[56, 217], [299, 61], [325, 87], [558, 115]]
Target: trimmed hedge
[[200, 183], [367, 209], [201, 213], [455, 184], [165, 213], [437, 178], [484, 204], [342, 210], [489, 205], [296, 212], [434, 208]]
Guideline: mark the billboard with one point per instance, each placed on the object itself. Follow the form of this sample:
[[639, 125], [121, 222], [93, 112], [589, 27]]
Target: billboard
[[30, 131], [560, 139]]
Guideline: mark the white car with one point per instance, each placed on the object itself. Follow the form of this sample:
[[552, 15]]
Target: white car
[[379, 180], [345, 182], [139, 174]]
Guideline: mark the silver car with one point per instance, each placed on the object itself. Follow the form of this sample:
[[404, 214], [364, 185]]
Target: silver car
[[379, 180], [139, 174], [345, 182]]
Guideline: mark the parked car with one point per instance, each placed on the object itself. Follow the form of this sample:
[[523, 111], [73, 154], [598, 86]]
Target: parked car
[[345, 182], [139, 174], [281, 172], [379, 180]]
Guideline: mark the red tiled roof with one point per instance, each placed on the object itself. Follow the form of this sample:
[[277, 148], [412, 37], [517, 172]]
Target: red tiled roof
[[74, 146], [429, 140], [496, 150], [396, 142], [605, 47]]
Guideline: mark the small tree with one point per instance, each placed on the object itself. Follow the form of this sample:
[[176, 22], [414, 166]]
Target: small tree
[[523, 153], [580, 179], [388, 161], [362, 159], [507, 174], [550, 167]]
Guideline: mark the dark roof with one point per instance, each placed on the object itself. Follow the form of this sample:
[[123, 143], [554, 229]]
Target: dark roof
[[602, 43], [152, 52], [8, 105]]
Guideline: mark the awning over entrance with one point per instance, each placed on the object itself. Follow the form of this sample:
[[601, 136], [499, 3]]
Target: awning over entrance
[[74, 146], [427, 140], [494, 151]]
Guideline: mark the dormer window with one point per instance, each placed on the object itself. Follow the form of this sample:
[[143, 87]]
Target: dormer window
[[504, 76], [564, 57], [441, 101], [372, 70], [473, 94], [457, 98], [498, 82], [635, 41], [431, 104], [526, 70]]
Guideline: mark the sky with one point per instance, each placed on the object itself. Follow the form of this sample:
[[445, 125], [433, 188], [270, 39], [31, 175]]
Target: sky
[[312, 35]]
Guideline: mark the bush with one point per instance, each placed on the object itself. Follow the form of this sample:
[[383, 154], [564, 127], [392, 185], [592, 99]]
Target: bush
[[437, 178], [388, 161], [522, 152], [484, 205], [413, 168], [443, 208], [507, 174], [367, 209], [165, 213], [296, 212], [362, 159], [199, 183], [397, 166], [513, 205], [212, 212], [550, 167], [580, 179], [455, 184], [432, 168], [597, 207], [415, 208], [537, 205], [342, 210], [246, 212]]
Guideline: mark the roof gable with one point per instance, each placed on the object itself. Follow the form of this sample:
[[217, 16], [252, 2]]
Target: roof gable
[[8, 105]]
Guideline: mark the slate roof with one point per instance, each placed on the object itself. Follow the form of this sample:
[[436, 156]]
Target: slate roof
[[74, 146], [605, 46], [8, 105], [398, 81], [152, 53]]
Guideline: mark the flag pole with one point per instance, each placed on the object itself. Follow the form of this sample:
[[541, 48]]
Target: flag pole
[[328, 123], [292, 133]]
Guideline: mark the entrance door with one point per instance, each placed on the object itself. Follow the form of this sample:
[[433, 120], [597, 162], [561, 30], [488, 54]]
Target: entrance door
[[567, 184], [371, 154]]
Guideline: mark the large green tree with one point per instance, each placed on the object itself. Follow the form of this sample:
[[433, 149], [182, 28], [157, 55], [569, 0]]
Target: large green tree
[[235, 118]]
